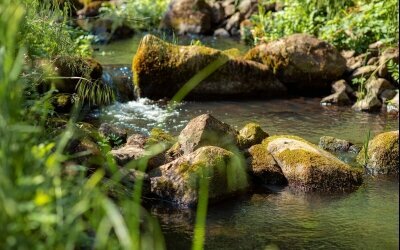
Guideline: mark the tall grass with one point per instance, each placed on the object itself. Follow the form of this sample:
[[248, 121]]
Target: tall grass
[[46, 200]]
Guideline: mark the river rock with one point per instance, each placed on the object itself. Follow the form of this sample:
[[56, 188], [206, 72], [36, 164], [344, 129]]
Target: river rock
[[263, 166], [206, 130], [337, 145], [310, 168], [139, 146], [341, 85], [369, 103], [218, 13], [354, 62], [382, 156], [221, 32], [378, 85], [179, 180], [393, 104], [233, 22], [251, 134], [387, 95], [373, 61], [161, 69], [364, 71], [247, 7], [188, 16], [338, 98], [302, 62]]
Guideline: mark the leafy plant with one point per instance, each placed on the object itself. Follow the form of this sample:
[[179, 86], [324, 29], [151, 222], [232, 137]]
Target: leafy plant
[[393, 69], [138, 14], [94, 93], [345, 24], [360, 83]]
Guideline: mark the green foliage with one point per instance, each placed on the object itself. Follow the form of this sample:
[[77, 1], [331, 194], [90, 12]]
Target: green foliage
[[95, 93], [137, 14], [358, 27], [360, 83], [45, 32], [46, 200], [393, 69], [345, 24]]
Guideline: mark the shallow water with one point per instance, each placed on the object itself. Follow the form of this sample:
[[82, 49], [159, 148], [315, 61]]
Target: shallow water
[[365, 219], [270, 219], [304, 117]]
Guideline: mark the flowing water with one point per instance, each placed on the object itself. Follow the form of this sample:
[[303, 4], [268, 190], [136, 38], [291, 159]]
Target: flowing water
[[367, 218]]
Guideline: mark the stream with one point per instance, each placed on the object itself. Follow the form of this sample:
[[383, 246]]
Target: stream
[[367, 218]]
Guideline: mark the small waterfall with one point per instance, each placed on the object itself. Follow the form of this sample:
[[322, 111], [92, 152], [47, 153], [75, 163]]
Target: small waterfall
[[119, 77]]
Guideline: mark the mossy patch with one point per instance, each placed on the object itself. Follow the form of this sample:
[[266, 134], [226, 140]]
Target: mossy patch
[[251, 134], [184, 174], [382, 155]]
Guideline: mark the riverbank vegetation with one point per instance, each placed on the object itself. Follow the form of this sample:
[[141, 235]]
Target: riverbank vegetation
[[345, 24], [60, 188]]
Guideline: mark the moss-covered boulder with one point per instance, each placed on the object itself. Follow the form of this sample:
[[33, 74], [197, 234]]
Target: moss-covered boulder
[[160, 69], [179, 180], [206, 130], [188, 16], [251, 134], [310, 168], [302, 62], [382, 156], [263, 167]]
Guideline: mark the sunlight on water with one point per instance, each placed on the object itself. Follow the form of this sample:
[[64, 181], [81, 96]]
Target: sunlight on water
[[138, 116]]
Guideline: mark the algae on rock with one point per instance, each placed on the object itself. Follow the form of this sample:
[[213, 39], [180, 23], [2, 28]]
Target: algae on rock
[[161, 69], [382, 156], [310, 168], [179, 180]]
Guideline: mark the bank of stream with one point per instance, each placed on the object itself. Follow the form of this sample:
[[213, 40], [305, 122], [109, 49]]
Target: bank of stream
[[270, 218]]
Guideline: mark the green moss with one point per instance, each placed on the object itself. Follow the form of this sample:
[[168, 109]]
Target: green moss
[[158, 135], [294, 137], [309, 159], [251, 134], [381, 145], [164, 64]]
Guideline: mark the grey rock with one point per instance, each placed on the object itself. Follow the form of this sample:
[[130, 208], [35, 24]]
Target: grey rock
[[221, 32]]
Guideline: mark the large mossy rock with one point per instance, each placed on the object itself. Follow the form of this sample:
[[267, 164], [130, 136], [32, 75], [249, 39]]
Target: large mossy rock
[[188, 16], [382, 156], [179, 180], [206, 130], [161, 69], [310, 168], [302, 62]]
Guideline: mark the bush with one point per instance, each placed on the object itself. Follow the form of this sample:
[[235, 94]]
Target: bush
[[345, 24]]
